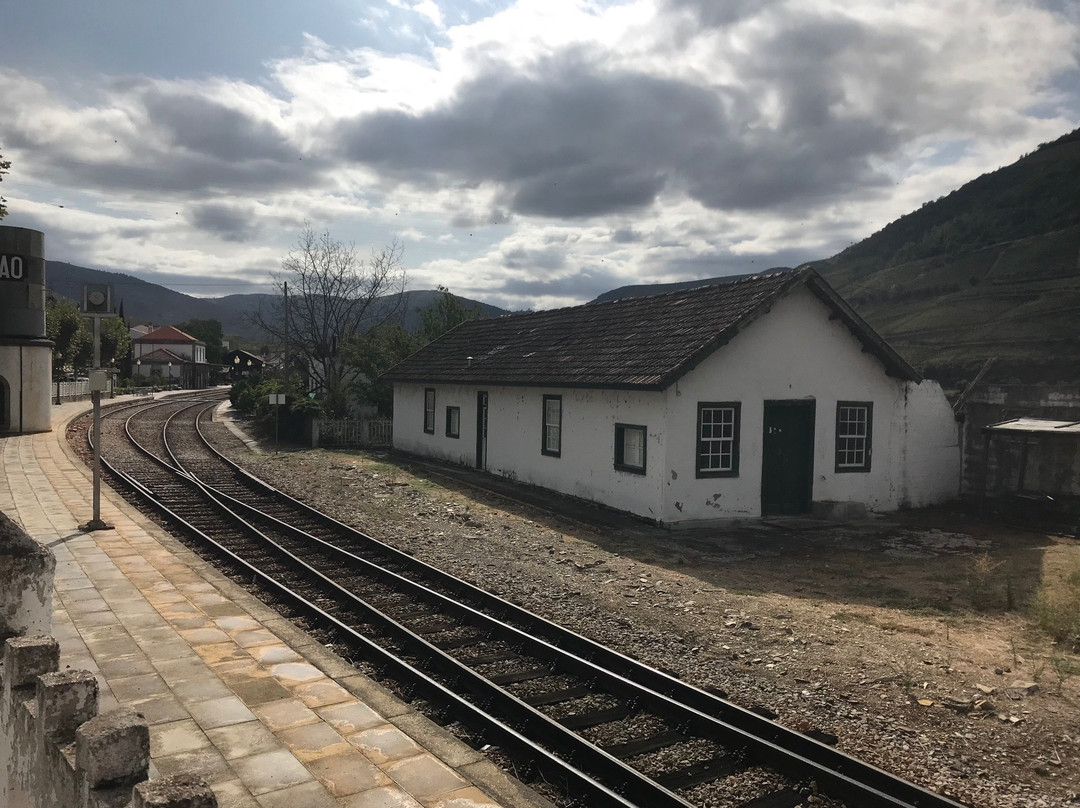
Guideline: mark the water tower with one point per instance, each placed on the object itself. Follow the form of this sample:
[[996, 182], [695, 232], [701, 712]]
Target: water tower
[[25, 353]]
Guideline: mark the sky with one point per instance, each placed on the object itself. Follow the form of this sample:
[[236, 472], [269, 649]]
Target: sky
[[530, 154]]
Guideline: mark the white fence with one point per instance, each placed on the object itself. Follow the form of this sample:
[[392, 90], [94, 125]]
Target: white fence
[[349, 432], [70, 391]]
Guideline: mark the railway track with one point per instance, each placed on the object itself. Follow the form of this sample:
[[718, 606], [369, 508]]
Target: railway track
[[607, 729]]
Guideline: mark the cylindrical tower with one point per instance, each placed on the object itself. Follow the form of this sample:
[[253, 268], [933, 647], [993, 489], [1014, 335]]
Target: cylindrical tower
[[25, 352]]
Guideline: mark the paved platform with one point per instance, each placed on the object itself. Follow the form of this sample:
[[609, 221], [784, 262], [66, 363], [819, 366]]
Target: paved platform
[[232, 691]]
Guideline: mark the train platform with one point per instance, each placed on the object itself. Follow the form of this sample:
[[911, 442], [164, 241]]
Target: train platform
[[232, 691]]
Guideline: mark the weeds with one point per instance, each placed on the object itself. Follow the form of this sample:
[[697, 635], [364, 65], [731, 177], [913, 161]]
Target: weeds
[[1057, 608], [981, 590]]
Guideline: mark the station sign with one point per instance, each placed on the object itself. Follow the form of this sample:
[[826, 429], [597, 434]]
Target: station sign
[[13, 267]]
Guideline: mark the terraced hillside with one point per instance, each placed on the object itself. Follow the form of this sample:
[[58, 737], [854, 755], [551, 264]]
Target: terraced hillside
[[991, 270]]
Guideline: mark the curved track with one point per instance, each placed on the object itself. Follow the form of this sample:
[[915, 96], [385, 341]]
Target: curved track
[[608, 729]]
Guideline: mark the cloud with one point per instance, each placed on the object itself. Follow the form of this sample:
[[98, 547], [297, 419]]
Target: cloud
[[814, 105], [228, 222]]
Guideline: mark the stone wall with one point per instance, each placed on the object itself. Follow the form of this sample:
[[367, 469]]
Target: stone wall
[[56, 751]]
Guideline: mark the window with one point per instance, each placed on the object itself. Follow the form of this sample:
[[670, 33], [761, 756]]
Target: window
[[718, 439], [429, 410], [453, 422], [854, 426], [552, 437], [630, 448]]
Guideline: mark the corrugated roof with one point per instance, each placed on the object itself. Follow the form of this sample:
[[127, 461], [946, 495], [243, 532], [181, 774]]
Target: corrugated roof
[[643, 342], [167, 333], [1036, 426]]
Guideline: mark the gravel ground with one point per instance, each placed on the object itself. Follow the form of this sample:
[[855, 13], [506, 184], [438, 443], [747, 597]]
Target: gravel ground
[[900, 638]]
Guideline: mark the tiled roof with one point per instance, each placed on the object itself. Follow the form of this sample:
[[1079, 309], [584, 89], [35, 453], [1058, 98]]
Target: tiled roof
[[643, 342], [160, 357], [167, 334]]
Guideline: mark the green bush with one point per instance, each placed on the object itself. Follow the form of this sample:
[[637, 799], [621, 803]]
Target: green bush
[[251, 397]]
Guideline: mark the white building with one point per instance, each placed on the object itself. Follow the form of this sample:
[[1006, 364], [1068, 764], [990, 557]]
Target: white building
[[768, 395], [173, 354]]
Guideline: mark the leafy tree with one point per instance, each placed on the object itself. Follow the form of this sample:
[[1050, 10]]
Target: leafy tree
[[333, 297], [115, 343], [66, 327], [374, 353], [445, 313], [209, 331], [4, 166]]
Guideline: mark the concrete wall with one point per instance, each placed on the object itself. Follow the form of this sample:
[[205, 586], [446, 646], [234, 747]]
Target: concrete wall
[[794, 352], [26, 385]]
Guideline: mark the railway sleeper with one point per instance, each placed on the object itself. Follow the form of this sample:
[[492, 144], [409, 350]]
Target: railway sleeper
[[557, 696], [595, 718], [642, 746], [706, 771], [784, 798], [520, 676]]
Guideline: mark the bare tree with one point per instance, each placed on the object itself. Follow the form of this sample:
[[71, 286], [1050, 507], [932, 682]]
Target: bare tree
[[327, 296]]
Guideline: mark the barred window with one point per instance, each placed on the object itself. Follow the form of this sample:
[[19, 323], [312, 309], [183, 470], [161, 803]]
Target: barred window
[[854, 428], [551, 443], [718, 439], [630, 448], [429, 410]]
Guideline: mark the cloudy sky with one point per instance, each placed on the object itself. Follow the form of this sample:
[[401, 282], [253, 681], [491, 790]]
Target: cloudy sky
[[529, 154]]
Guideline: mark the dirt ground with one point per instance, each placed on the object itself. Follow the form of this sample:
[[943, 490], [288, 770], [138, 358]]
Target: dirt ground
[[908, 637]]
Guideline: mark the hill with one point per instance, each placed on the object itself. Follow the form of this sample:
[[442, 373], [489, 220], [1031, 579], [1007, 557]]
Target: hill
[[645, 289], [146, 302], [991, 270]]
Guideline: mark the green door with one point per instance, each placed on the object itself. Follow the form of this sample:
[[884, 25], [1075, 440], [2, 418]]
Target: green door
[[787, 464]]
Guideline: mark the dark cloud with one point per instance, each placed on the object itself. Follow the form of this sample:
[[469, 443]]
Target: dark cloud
[[470, 220], [209, 128], [571, 140], [626, 235], [227, 222], [549, 258], [191, 145]]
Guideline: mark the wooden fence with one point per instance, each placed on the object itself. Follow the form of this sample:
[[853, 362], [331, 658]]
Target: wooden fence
[[349, 432]]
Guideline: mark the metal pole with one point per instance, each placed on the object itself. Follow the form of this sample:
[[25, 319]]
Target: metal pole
[[277, 416], [95, 396]]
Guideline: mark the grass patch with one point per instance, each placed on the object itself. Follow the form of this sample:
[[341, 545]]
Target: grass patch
[[1057, 606]]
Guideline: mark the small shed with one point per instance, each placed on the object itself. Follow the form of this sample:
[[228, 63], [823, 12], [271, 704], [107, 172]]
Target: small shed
[[1034, 464]]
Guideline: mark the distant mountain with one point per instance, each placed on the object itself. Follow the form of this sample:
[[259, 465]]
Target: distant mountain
[[146, 302], [646, 289]]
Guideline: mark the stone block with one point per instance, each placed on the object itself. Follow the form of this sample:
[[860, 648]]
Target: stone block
[[26, 582], [178, 791], [64, 701], [26, 658], [113, 747]]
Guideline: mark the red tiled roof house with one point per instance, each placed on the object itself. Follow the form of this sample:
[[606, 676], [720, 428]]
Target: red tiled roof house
[[173, 354]]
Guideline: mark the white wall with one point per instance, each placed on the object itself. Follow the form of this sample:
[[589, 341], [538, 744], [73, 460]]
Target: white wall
[[27, 370], [585, 466], [797, 352]]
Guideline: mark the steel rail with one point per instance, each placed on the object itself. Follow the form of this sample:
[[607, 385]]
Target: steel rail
[[520, 713], [838, 774]]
